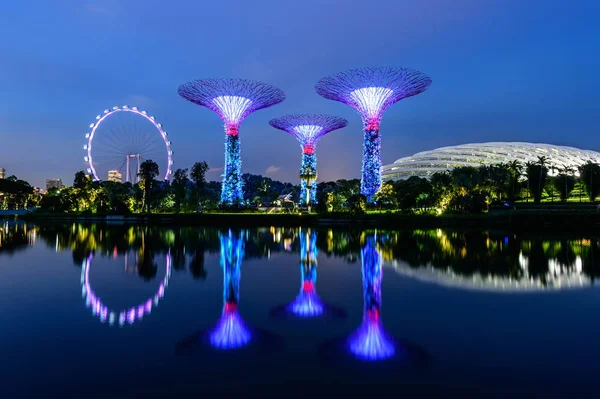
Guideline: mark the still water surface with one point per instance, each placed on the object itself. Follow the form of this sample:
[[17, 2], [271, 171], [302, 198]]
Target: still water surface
[[146, 311]]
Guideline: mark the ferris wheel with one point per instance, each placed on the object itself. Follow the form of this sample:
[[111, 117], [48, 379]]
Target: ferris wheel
[[122, 138]]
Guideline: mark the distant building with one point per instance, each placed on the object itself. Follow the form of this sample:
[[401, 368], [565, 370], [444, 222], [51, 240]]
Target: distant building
[[425, 164], [115, 176], [53, 183], [2, 173]]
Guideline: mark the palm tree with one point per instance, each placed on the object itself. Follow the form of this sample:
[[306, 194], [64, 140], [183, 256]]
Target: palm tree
[[542, 164], [529, 168], [567, 171], [516, 170]]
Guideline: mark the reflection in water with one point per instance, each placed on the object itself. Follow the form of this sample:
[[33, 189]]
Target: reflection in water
[[475, 259], [15, 237], [370, 341], [492, 261], [231, 332], [307, 302], [130, 315]]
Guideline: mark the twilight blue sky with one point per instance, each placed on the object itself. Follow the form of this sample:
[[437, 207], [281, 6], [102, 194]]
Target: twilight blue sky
[[501, 70]]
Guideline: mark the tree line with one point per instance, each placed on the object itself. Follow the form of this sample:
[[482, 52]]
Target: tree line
[[461, 190]]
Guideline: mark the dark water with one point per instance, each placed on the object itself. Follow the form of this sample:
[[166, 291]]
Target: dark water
[[138, 311]]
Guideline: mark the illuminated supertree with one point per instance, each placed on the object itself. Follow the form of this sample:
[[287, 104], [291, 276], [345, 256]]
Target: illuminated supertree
[[231, 331], [308, 130], [370, 341], [233, 100], [371, 91]]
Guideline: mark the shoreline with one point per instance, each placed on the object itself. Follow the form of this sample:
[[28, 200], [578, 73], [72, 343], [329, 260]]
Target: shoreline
[[531, 220]]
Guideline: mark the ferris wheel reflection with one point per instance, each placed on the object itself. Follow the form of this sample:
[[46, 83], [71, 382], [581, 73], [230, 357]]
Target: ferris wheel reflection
[[128, 315]]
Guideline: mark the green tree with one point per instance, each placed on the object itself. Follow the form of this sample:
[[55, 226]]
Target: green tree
[[515, 170], [80, 179], [148, 171], [198, 176], [180, 181], [564, 183], [386, 196], [590, 178], [536, 177]]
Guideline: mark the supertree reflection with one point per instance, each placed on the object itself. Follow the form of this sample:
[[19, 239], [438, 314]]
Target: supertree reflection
[[231, 332], [370, 341], [307, 302]]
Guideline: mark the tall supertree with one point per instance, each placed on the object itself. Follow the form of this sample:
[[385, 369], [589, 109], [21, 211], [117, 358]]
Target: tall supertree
[[233, 100], [370, 341], [308, 130], [371, 91], [231, 331]]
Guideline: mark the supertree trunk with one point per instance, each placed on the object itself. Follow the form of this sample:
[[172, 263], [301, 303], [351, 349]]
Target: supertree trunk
[[371, 166], [231, 191], [308, 175]]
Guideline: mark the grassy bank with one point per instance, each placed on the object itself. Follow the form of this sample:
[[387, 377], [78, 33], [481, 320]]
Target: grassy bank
[[530, 220]]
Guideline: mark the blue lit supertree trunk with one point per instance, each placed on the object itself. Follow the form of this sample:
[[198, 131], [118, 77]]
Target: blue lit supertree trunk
[[307, 303], [231, 188], [308, 178], [231, 331], [370, 341], [371, 166], [371, 91]]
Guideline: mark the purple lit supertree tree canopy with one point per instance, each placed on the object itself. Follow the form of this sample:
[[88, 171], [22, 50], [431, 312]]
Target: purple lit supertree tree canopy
[[370, 341], [233, 100], [231, 331], [371, 91], [308, 130]]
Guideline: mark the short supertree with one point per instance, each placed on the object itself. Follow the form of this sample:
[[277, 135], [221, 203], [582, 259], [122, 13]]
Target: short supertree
[[233, 100], [371, 91], [307, 302], [231, 331], [370, 341], [308, 130]]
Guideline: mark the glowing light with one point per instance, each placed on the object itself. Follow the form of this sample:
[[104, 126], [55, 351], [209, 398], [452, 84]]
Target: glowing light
[[308, 130], [232, 108], [108, 113], [371, 164], [307, 303], [308, 135], [371, 91], [231, 331], [371, 101], [231, 186], [370, 341]]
